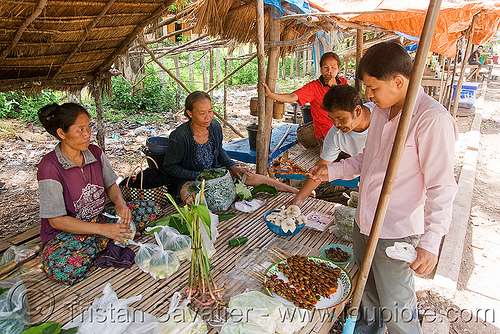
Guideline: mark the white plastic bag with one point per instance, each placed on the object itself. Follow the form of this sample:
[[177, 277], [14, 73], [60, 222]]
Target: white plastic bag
[[118, 221], [143, 256], [265, 313], [164, 233], [14, 308], [181, 319], [111, 315], [181, 245], [402, 251], [248, 206], [163, 263]]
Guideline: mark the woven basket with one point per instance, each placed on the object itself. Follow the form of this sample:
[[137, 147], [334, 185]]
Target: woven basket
[[305, 134]]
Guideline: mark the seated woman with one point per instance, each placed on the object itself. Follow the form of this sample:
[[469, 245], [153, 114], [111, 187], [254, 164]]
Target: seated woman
[[197, 145], [73, 181]]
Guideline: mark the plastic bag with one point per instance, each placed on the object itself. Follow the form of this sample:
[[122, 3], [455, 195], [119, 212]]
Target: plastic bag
[[19, 253], [118, 221], [180, 245], [248, 206], [344, 222], [220, 193], [111, 315], [181, 319], [163, 263], [208, 243], [241, 327], [266, 313], [14, 308], [144, 254], [402, 251], [164, 232]]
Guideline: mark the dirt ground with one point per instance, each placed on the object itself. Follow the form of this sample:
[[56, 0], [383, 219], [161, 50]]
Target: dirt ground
[[22, 147]]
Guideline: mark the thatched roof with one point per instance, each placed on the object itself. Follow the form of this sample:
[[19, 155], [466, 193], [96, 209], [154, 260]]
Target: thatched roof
[[236, 20], [62, 44]]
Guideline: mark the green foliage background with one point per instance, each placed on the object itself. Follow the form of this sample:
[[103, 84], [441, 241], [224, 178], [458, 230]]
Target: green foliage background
[[147, 95]]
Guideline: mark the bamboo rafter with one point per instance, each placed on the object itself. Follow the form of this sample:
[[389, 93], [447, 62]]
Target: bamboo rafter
[[86, 34], [22, 28], [131, 37]]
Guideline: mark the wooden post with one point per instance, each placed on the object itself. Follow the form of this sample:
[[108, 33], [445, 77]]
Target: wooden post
[[283, 67], [465, 57], [346, 62], [217, 63], [304, 62], [179, 87], [450, 93], [97, 92], [359, 54], [191, 68], [262, 142], [309, 60], [204, 70], [292, 64], [297, 69], [397, 151], [211, 73], [225, 92]]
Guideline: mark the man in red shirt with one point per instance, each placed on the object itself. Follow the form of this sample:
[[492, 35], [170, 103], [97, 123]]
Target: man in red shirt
[[314, 91]]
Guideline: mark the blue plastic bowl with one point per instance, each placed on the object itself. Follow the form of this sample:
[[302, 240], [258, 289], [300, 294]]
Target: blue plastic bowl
[[278, 230], [157, 145]]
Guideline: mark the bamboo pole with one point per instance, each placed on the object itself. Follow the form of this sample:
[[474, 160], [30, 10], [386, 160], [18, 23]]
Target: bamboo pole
[[187, 89], [211, 72], [450, 93], [272, 73], [464, 63], [97, 92], [262, 149], [397, 151], [232, 72], [38, 10], [225, 90], [359, 54]]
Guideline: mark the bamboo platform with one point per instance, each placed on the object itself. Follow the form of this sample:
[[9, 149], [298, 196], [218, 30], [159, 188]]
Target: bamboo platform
[[50, 301]]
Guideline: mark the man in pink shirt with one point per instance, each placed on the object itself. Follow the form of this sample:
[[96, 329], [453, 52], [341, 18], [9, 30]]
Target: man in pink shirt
[[420, 206]]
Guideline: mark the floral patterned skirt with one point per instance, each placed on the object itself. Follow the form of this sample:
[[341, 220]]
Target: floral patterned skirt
[[68, 258]]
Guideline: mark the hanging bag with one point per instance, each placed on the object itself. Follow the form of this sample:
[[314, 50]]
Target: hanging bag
[[133, 193]]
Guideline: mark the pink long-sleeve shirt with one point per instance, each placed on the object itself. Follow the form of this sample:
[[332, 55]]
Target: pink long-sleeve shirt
[[424, 189]]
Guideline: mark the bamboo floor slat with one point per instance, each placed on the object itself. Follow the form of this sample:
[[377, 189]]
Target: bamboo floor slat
[[51, 301]]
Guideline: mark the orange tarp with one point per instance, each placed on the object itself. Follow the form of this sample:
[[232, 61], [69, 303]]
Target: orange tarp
[[409, 16]]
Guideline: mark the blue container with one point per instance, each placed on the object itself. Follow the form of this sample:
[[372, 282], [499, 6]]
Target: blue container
[[157, 145], [278, 230], [467, 94]]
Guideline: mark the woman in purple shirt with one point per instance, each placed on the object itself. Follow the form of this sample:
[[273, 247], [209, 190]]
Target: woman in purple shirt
[[73, 181]]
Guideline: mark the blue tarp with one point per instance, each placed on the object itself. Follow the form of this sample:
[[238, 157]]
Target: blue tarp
[[301, 6]]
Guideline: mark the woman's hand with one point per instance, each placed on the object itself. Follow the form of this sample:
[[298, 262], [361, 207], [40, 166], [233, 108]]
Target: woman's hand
[[118, 232], [320, 173], [239, 171], [124, 213]]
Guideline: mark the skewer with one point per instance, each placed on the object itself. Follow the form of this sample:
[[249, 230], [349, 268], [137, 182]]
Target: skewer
[[253, 275], [283, 252]]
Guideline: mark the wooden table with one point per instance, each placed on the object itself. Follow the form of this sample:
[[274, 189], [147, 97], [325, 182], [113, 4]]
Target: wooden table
[[51, 301]]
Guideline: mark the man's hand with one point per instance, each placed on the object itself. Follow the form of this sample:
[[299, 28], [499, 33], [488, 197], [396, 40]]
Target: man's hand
[[320, 173], [425, 262], [266, 88]]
